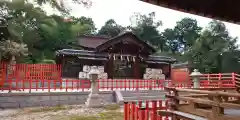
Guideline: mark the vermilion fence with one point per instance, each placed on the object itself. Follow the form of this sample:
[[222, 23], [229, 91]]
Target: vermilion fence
[[145, 110], [106, 84], [41, 77]]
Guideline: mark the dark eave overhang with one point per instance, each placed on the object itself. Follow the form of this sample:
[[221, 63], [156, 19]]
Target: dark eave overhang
[[181, 65], [225, 10], [155, 58], [73, 52], [92, 55], [93, 58], [82, 54], [156, 62]]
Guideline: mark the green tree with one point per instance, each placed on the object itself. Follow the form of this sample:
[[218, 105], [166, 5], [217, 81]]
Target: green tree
[[169, 36], [111, 29], [186, 32], [180, 39], [43, 34], [23, 18], [146, 28], [60, 5], [61, 35], [208, 50]]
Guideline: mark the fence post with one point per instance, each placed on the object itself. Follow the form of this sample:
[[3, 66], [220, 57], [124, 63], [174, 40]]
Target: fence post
[[216, 110], [196, 78], [174, 103], [126, 111], [220, 80], [233, 80], [154, 109], [94, 99], [142, 113], [133, 110]]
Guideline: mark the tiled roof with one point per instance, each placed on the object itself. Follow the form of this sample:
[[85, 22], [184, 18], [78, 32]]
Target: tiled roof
[[185, 64], [90, 41], [85, 54], [160, 58]]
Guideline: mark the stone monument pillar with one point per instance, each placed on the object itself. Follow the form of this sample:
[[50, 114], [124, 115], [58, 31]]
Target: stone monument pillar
[[196, 78], [94, 99]]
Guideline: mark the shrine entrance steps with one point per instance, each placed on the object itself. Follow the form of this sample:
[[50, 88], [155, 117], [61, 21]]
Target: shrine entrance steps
[[141, 95]]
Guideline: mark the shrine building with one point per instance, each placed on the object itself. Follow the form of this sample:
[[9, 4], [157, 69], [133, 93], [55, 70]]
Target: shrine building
[[123, 56]]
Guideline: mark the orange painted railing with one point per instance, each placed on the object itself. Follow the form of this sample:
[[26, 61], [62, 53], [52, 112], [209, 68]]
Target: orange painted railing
[[107, 84], [48, 77], [139, 111]]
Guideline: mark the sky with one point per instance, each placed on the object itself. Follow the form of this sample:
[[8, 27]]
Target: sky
[[122, 10]]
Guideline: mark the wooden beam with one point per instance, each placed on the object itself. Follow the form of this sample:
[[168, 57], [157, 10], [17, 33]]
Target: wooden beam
[[226, 117], [198, 100], [230, 105], [197, 112]]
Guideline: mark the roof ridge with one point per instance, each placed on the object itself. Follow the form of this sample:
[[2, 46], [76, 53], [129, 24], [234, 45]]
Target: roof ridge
[[94, 36]]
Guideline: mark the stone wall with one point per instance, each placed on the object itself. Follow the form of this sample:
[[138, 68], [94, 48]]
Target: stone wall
[[20, 100]]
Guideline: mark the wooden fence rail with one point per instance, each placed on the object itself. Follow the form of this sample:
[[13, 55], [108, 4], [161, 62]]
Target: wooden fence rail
[[209, 105]]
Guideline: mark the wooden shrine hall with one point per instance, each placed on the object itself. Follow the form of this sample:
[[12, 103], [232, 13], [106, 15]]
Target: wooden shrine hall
[[124, 56]]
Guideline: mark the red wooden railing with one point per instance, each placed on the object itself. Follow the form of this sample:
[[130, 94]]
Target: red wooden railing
[[138, 111], [48, 77], [107, 84]]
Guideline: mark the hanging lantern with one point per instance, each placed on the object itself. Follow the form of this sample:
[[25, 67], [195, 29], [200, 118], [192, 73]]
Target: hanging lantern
[[114, 57], [122, 57], [128, 58]]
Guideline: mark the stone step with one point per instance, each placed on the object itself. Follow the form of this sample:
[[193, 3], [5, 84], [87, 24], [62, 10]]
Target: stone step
[[144, 98], [145, 93], [149, 95]]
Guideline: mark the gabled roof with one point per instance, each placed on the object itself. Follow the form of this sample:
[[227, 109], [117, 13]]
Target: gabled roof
[[90, 42], [118, 39]]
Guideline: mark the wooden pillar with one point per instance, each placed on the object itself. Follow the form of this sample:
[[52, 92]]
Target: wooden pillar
[[110, 67], [216, 110], [170, 71], [63, 65], [136, 68]]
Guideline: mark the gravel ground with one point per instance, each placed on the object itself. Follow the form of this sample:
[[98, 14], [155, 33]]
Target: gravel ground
[[27, 114]]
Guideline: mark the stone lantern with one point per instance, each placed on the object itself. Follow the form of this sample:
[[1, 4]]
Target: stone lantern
[[196, 78], [94, 99], [93, 76]]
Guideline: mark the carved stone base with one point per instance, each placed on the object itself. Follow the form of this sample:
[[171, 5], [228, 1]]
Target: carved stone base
[[94, 100]]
